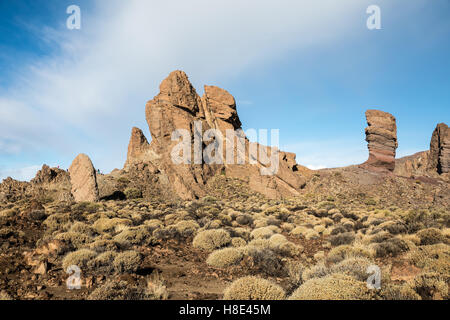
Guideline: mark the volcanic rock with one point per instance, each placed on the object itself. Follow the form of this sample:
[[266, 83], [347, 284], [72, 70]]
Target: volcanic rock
[[83, 179], [381, 135], [137, 148], [440, 149], [50, 175], [178, 112]]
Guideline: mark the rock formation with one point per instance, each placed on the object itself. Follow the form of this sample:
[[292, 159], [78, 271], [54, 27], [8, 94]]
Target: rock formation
[[137, 148], [381, 135], [83, 179], [179, 109], [50, 175], [440, 149]]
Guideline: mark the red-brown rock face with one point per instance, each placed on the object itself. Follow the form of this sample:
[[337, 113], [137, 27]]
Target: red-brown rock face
[[178, 109], [381, 135], [137, 148], [440, 149], [83, 179]]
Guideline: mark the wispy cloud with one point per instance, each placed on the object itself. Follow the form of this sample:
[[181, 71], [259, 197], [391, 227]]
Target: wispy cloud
[[21, 174], [87, 95]]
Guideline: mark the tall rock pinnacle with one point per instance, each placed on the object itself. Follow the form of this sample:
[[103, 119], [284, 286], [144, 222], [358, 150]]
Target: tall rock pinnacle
[[381, 135]]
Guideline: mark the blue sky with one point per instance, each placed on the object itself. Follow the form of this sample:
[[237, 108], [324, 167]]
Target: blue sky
[[308, 68]]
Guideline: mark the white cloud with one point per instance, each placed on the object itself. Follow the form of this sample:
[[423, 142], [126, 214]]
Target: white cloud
[[88, 96], [21, 174]]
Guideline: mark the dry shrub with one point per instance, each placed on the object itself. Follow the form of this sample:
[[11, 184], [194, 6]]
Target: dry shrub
[[253, 288], [103, 262], [355, 267], [226, 257], [75, 239], [238, 242], [81, 227], [295, 271], [430, 236], [135, 235], [343, 252], [106, 224], [4, 296], [186, 228], [432, 258], [262, 233], [133, 193], [342, 238], [319, 270], [102, 245], [127, 261], [398, 292], [432, 286], [391, 247], [264, 260], [212, 239], [332, 287], [79, 258], [121, 290]]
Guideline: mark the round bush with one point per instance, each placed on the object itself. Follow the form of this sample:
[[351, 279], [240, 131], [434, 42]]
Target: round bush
[[79, 258], [224, 257], [253, 288], [212, 239], [127, 261], [332, 287]]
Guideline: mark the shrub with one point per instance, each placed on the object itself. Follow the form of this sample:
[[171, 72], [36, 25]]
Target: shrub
[[212, 239], [340, 253], [133, 193], [104, 261], [186, 227], [332, 287], [430, 236], [253, 288], [81, 227], [76, 239], [342, 238], [238, 242], [318, 271], [112, 290], [135, 235], [432, 286], [79, 258], [432, 258], [127, 261], [106, 224], [224, 257], [295, 271], [262, 233], [391, 247], [398, 292], [354, 267], [4, 296], [264, 260]]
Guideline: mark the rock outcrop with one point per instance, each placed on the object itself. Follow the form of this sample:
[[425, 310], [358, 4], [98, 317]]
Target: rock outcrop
[[138, 147], [83, 179], [440, 149], [186, 153], [50, 175], [381, 135]]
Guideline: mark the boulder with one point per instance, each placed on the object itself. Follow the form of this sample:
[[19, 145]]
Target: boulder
[[83, 179]]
